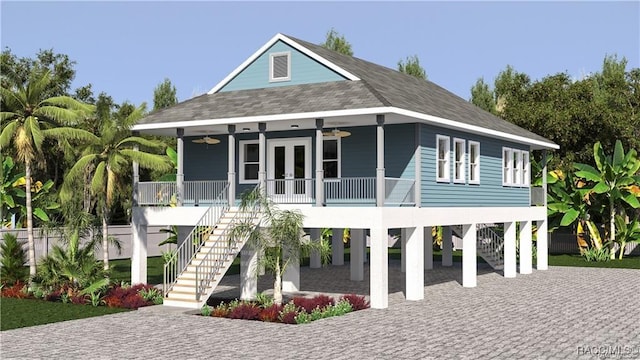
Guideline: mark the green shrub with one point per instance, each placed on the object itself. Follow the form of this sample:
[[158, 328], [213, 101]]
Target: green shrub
[[302, 318], [264, 300], [13, 258], [596, 255], [152, 294], [205, 310]]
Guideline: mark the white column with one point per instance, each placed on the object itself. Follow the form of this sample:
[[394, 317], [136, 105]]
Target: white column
[[380, 183], [356, 261], [248, 273], [337, 247], [136, 176], [291, 276], [231, 174], [138, 249], [415, 264], [428, 248], [314, 257], [262, 153], [509, 249], [447, 246], [319, 164], [180, 172], [379, 269], [542, 243], [525, 247], [469, 262], [403, 249]]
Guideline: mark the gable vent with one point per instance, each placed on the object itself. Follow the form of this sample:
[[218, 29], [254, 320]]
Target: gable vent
[[280, 66]]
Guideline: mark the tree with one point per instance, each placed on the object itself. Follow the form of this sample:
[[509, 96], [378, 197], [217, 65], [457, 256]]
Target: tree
[[164, 95], [411, 66], [108, 159], [28, 117], [483, 97], [337, 42]]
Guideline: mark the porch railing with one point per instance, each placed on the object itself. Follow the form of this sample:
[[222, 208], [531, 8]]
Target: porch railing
[[291, 191], [399, 192], [537, 196], [203, 191], [350, 190], [164, 193]]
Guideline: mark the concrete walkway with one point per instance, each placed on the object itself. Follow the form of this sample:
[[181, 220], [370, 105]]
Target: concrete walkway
[[564, 312]]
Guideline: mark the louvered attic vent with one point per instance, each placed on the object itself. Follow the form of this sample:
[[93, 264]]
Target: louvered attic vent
[[280, 69]]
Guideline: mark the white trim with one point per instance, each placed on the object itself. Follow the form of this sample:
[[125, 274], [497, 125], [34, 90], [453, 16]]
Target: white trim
[[294, 45], [461, 179], [447, 159], [339, 153], [241, 163], [526, 169], [507, 171], [272, 143], [477, 162], [516, 179], [271, 67]]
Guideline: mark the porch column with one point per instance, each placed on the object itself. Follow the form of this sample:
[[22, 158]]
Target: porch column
[[337, 247], [469, 262], [379, 268], [314, 258], [262, 153], [525, 247], [291, 275], [136, 175], [319, 164], [447, 246], [544, 177], [138, 248], [231, 174], [248, 273], [509, 250], [414, 276], [180, 173], [356, 261], [380, 191], [542, 244], [428, 248], [403, 249]]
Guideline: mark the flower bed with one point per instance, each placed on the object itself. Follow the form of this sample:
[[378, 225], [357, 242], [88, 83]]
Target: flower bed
[[299, 310]]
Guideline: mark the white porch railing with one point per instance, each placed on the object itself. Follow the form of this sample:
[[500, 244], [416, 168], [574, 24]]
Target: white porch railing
[[350, 190], [203, 191], [399, 192], [537, 196], [291, 191], [157, 193], [163, 193]]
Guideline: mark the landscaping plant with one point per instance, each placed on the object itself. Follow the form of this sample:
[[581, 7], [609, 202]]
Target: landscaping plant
[[12, 260]]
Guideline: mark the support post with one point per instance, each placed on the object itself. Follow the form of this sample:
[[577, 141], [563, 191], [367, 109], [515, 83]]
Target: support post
[[544, 177], [509, 250], [319, 163], [138, 249], [379, 268], [447, 246], [248, 273], [314, 258], [180, 172], [291, 275], [469, 261], [380, 183], [337, 247], [542, 245], [356, 261], [262, 151], [231, 174], [414, 276], [525, 248], [136, 175], [428, 248], [403, 249]]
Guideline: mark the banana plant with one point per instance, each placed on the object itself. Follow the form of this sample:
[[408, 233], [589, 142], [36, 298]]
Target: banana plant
[[626, 233], [613, 179], [10, 192], [42, 200]]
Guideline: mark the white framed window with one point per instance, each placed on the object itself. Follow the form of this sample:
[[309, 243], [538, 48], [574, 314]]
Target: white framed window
[[526, 169], [507, 166], [474, 162], [280, 66], [331, 153], [443, 156], [458, 160], [249, 162], [517, 167]]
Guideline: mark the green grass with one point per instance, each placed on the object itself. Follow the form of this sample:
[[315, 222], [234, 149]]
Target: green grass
[[18, 313], [629, 262]]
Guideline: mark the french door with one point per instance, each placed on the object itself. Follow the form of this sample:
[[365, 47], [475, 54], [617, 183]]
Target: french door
[[289, 171]]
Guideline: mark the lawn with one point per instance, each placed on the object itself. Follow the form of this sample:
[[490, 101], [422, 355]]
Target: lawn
[[18, 313], [629, 262]]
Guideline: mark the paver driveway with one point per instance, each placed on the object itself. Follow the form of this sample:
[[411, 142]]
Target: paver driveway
[[560, 313]]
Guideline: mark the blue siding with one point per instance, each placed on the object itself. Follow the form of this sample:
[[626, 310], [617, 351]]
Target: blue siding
[[205, 162], [489, 192], [304, 70]]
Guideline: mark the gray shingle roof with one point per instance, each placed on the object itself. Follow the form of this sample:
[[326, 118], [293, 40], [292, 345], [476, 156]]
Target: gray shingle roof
[[379, 86]]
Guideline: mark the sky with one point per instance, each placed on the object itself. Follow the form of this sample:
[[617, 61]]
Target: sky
[[127, 48]]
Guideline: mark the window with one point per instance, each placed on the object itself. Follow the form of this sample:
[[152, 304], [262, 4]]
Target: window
[[249, 161], [331, 157], [517, 167], [526, 169], [280, 66], [442, 152], [507, 166], [474, 162], [458, 164]]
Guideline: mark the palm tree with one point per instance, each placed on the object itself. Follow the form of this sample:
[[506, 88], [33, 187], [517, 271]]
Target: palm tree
[[108, 159], [27, 119]]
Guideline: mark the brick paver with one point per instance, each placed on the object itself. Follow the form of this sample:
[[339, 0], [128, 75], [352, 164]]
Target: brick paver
[[556, 314]]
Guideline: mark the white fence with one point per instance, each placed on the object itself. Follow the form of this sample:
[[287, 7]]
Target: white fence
[[44, 242]]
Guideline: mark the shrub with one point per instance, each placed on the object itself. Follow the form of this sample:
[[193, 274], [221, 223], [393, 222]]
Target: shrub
[[78, 299], [593, 254], [288, 317], [270, 313], [12, 260], [316, 314], [127, 297], [357, 302], [245, 310], [302, 318], [308, 304], [152, 295], [205, 310], [18, 290], [220, 311], [264, 300]]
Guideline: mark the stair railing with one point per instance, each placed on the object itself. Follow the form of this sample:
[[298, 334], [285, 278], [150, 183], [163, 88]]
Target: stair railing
[[184, 254], [490, 243]]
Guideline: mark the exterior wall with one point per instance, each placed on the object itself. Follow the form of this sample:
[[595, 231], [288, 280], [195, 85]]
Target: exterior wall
[[490, 192], [206, 162], [304, 70]]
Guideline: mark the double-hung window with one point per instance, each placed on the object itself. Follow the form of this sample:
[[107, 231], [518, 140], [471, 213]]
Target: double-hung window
[[249, 161], [517, 167], [526, 169], [443, 155], [458, 164], [507, 166], [331, 157], [474, 162]]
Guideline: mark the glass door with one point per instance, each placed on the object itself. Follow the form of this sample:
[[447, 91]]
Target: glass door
[[289, 171]]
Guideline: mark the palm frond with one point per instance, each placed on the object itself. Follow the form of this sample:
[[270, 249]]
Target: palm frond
[[58, 114], [12, 99], [112, 186], [38, 82], [75, 173], [136, 115], [149, 161], [70, 103], [70, 133], [152, 144], [98, 181], [8, 132], [33, 126]]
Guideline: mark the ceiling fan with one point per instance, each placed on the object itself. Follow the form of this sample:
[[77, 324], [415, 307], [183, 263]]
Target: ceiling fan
[[206, 140], [337, 133]]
